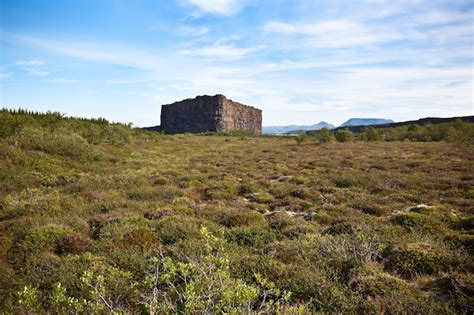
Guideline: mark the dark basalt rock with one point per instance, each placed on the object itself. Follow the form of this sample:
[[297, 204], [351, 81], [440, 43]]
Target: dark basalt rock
[[209, 113]]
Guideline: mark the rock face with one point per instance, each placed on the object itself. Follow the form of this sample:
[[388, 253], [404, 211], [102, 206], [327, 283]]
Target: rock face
[[210, 113]]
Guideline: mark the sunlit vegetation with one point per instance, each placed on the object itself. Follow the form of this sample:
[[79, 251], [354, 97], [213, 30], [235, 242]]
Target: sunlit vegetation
[[456, 132], [98, 218]]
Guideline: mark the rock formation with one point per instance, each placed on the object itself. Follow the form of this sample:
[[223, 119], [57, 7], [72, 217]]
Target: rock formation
[[209, 113]]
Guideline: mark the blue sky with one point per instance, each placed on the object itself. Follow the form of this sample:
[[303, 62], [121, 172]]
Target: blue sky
[[300, 61]]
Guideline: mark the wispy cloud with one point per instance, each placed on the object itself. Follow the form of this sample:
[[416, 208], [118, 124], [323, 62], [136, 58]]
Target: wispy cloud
[[35, 72], [320, 28], [335, 33], [188, 30], [89, 51], [32, 67], [219, 7], [221, 51], [32, 63], [62, 80]]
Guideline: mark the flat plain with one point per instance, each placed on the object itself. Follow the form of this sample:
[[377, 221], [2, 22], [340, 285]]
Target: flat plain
[[106, 220]]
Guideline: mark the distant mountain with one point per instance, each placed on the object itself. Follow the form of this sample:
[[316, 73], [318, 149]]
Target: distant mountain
[[295, 128], [365, 122]]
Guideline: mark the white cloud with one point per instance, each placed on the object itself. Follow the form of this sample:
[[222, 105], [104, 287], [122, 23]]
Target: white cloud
[[62, 80], [319, 28], [29, 63], [219, 7], [192, 30], [35, 72], [4, 74], [335, 33], [32, 67], [221, 51], [102, 52]]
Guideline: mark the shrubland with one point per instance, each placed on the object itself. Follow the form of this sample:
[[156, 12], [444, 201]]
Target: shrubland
[[457, 132], [99, 218]]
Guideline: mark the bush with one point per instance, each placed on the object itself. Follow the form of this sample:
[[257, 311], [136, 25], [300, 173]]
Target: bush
[[343, 135], [385, 294], [61, 142], [462, 241], [324, 135], [371, 134], [457, 288], [171, 229], [41, 239], [310, 284], [460, 132], [300, 138], [251, 236], [413, 221], [246, 188], [156, 193], [416, 259], [203, 284], [141, 240], [340, 228], [32, 201], [235, 217], [279, 220], [298, 229], [74, 243]]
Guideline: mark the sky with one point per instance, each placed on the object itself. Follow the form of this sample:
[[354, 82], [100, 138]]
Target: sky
[[300, 61]]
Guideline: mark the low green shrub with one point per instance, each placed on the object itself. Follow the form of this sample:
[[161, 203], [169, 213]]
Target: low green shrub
[[171, 229], [344, 135], [40, 239], [463, 241], [416, 259], [61, 142], [115, 227], [142, 240], [371, 208], [257, 237], [324, 135], [235, 217], [340, 228], [246, 188], [455, 288], [413, 221], [300, 138], [279, 220], [371, 134], [32, 201], [383, 293], [158, 193], [298, 229], [74, 243]]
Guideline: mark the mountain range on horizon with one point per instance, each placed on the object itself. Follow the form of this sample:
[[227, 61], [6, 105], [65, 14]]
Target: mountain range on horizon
[[289, 128], [323, 124]]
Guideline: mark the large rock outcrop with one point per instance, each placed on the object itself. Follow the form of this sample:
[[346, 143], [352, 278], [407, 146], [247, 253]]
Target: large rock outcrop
[[209, 113]]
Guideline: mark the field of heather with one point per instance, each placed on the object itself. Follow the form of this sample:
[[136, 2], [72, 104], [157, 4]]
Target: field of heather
[[98, 218]]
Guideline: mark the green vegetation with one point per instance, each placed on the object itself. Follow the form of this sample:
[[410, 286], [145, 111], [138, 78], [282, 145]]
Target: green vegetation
[[343, 135], [324, 135], [100, 218], [371, 134], [300, 138], [457, 132]]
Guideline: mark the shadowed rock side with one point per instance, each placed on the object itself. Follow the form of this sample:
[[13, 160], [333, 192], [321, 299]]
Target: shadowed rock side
[[209, 113]]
